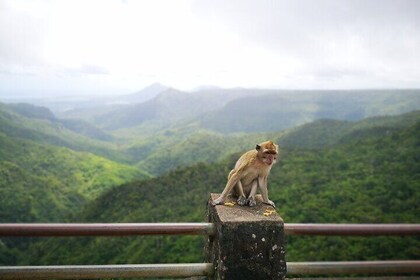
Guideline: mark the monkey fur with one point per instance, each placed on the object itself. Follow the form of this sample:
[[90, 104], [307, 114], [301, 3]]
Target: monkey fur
[[251, 172]]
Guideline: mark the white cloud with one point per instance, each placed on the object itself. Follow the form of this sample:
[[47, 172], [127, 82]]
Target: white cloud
[[286, 44]]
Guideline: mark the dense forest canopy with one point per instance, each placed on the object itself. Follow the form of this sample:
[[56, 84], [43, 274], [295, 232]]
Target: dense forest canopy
[[334, 167]]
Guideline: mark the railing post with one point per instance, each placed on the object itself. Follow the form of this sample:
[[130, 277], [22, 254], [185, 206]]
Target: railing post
[[248, 244]]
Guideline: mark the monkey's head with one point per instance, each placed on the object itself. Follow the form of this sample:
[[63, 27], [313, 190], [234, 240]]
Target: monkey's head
[[267, 152]]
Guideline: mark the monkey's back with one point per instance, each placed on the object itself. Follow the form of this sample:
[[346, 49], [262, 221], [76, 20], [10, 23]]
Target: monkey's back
[[246, 160], [250, 167]]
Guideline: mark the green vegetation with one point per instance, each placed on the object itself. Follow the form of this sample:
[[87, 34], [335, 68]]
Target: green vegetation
[[40, 126], [279, 110], [326, 133], [251, 110], [330, 171], [178, 148], [41, 178], [46, 182], [372, 180]]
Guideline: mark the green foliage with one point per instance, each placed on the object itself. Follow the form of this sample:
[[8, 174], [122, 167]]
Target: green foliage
[[327, 133], [161, 153], [371, 180], [27, 198], [42, 182], [269, 113], [167, 107], [48, 130], [329, 172], [85, 173], [279, 110], [185, 145], [179, 196]]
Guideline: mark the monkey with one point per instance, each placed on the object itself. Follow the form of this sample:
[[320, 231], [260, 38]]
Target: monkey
[[250, 172]]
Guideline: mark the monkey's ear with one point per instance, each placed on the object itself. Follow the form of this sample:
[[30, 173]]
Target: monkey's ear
[[258, 147]]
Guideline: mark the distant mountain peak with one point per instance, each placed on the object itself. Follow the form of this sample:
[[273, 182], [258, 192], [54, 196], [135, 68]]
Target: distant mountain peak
[[155, 87], [145, 94]]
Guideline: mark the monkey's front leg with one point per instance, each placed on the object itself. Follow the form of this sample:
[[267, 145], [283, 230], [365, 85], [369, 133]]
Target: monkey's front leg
[[233, 180], [262, 182]]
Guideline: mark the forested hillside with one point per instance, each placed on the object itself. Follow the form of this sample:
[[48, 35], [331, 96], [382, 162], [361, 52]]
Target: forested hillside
[[38, 124], [255, 110], [247, 110], [328, 132], [279, 110], [42, 179], [338, 171], [364, 180], [187, 145], [47, 183]]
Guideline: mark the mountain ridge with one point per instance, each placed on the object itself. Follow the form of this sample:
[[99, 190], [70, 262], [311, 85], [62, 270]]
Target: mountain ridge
[[252, 110], [366, 180]]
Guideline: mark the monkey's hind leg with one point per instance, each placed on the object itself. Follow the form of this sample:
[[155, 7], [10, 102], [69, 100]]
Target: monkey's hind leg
[[232, 181], [239, 190], [251, 198]]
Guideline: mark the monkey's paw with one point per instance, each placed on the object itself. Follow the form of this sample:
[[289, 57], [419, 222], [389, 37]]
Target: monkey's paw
[[241, 200], [269, 202], [217, 201], [251, 201]]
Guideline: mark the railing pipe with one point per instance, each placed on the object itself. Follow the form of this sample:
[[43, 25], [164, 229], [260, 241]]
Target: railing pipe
[[106, 271], [355, 267], [352, 229], [124, 229], [121, 229]]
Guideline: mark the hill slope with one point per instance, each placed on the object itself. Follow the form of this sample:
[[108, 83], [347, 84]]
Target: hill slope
[[278, 110], [257, 110], [327, 132], [42, 179], [365, 180], [168, 107], [186, 145], [39, 125], [47, 183]]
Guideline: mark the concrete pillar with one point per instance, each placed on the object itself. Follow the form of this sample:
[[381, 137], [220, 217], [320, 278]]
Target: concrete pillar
[[248, 243]]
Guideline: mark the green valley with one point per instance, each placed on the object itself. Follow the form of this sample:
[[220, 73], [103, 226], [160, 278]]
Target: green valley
[[345, 169], [363, 180]]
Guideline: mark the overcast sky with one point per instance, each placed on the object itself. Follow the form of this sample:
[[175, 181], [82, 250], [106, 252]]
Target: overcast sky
[[117, 47]]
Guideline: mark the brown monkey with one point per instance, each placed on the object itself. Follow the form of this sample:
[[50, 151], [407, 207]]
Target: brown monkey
[[251, 171]]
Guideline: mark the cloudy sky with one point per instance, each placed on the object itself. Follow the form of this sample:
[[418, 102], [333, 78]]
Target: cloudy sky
[[116, 47]]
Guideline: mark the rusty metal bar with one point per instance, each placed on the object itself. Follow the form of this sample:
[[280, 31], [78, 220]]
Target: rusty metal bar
[[106, 271], [352, 229], [123, 229], [355, 267]]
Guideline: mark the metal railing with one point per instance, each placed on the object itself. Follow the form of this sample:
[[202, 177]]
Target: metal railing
[[106, 271], [194, 269], [127, 229], [352, 229], [120, 229], [353, 267]]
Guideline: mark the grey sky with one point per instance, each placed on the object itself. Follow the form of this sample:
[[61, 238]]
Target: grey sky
[[104, 47]]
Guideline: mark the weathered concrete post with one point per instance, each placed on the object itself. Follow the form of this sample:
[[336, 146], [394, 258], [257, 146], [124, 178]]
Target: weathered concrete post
[[249, 242]]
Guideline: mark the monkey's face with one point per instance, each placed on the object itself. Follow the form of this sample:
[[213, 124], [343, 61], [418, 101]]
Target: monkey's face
[[269, 157], [267, 152]]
